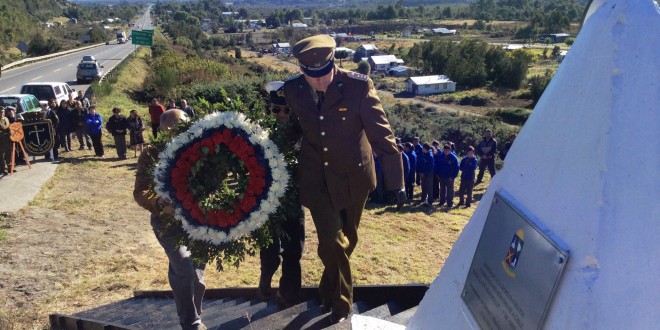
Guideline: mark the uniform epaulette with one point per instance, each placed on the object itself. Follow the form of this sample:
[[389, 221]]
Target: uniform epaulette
[[295, 76], [357, 76]]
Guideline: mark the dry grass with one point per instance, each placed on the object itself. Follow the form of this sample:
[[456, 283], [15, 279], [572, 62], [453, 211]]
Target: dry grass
[[83, 241]]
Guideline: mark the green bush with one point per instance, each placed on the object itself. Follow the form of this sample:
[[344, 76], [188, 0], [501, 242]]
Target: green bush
[[513, 116], [409, 121]]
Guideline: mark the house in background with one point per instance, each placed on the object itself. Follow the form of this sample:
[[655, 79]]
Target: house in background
[[554, 37], [426, 85], [364, 51], [398, 71], [282, 48], [443, 31], [383, 62]]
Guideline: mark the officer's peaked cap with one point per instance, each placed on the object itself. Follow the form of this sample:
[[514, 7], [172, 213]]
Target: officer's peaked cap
[[315, 54], [275, 90]]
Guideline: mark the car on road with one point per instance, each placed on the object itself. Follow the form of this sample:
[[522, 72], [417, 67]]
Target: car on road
[[88, 58], [22, 102], [45, 91], [89, 71]]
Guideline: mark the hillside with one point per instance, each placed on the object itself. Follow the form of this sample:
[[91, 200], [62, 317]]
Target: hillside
[[19, 20]]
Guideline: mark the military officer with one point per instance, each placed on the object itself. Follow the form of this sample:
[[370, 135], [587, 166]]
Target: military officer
[[343, 125]]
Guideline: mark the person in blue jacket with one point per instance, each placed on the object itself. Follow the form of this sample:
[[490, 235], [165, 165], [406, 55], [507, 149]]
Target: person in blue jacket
[[406, 164], [446, 169], [412, 170], [468, 167], [418, 150], [425, 170], [94, 124]]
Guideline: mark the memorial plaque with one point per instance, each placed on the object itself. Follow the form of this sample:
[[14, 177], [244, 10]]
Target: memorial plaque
[[514, 272]]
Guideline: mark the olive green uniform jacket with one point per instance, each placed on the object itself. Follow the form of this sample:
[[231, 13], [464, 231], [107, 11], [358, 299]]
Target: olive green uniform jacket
[[339, 139]]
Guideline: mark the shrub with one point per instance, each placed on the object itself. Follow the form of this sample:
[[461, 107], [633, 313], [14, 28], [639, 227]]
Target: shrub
[[513, 116]]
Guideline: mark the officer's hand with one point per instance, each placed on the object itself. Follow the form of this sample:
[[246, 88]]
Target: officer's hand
[[400, 198]]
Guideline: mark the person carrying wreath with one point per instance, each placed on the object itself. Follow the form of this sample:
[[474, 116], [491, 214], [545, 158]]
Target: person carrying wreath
[[342, 125], [186, 277], [287, 224]]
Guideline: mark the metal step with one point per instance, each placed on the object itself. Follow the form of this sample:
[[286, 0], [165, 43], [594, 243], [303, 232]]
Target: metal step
[[403, 317], [291, 318]]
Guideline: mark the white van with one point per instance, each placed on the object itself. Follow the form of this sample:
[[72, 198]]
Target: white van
[[45, 91]]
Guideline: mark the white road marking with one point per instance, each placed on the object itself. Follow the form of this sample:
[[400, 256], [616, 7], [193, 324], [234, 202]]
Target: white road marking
[[57, 70], [10, 88], [36, 78]]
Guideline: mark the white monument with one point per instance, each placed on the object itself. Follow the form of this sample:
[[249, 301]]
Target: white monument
[[586, 169]]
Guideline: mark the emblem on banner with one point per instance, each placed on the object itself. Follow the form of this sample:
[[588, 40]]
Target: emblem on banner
[[39, 137], [510, 262]]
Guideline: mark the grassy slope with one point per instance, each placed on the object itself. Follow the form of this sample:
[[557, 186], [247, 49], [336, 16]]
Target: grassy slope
[[100, 247]]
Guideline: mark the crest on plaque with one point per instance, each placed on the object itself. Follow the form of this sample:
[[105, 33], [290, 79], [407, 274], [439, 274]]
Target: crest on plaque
[[39, 137], [513, 253]]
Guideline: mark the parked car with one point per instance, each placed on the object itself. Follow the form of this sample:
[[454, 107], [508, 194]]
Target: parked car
[[88, 58], [22, 102], [45, 91], [89, 71]]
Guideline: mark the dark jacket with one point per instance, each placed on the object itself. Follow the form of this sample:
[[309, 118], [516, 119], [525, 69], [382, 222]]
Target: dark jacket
[[339, 139], [117, 125], [406, 166], [446, 166], [54, 119], [412, 158], [468, 166], [77, 119], [486, 148], [425, 163]]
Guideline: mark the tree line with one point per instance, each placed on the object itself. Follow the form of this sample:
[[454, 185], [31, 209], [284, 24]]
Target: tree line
[[471, 62]]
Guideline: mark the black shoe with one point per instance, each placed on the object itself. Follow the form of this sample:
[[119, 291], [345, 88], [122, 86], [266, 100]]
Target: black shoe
[[81, 148], [467, 206], [478, 182], [325, 307]]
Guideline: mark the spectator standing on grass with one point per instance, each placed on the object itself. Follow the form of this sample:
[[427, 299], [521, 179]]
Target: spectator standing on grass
[[406, 166], [135, 127], [436, 181], [486, 152], [412, 170], [187, 109], [117, 125], [64, 126], [418, 150], [468, 167], [49, 113], [446, 169], [94, 124], [155, 111], [507, 146], [171, 105], [186, 277], [85, 101], [5, 143], [77, 118], [425, 170]]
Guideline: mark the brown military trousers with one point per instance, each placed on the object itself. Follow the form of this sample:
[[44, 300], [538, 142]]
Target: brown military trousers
[[337, 235]]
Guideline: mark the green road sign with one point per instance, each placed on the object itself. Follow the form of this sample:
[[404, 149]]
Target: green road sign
[[144, 37]]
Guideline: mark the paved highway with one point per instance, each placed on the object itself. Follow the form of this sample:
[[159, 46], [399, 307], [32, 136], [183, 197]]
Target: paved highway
[[63, 68]]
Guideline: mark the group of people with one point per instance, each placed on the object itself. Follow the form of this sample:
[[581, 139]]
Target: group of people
[[336, 118], [435, 169], [156, 110]]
